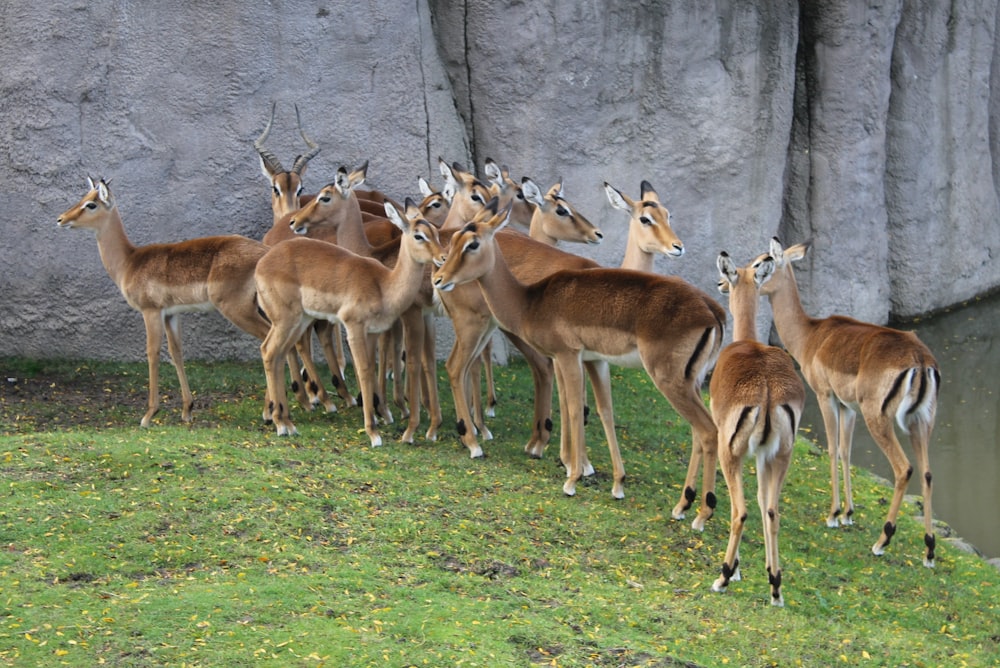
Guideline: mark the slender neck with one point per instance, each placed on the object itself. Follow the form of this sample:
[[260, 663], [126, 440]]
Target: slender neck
[[504, 294], [791, 321], [351, 228], [743, 305], [636, 258], [114, 246], [405, 279]]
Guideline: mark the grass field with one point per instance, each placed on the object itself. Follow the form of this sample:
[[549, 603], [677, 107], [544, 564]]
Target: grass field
[[221, 544]]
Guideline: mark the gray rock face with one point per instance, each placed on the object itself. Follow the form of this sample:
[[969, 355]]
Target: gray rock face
[[869, 127]]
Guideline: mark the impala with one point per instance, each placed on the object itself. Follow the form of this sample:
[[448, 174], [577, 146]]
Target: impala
[[649, 233], [435, 203], [889, 375], [286, 185], [506, 189], [757, 400], [668, 327], [474, 324], [331, 214], [162, 281], [302, 280]]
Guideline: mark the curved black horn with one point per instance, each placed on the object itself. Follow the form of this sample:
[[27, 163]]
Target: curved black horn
[[302, 160], [271, 162]]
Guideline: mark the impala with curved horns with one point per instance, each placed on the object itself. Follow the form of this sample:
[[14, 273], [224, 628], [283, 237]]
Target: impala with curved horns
[[757, 398], [286, 185], [889, 375], [661, 323]]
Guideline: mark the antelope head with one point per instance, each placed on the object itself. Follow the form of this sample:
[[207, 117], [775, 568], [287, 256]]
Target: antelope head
[[286, 185]]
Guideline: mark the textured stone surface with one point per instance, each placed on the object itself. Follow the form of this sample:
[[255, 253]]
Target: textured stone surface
[[869, 127]]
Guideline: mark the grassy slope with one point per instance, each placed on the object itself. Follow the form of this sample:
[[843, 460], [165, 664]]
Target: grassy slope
[[221, 544]]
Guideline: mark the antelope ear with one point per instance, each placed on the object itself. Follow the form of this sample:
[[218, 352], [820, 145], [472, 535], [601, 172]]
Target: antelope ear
[[727, 269], [776, 251], [411, 209], [556, 191], [797, 252], [393, 215], [103, 193], [448, 192], [359, 174], [647, 191], [90, 182], [532, 193], [342, 181], [617, 199], [445, 170], [425, 188], [492, 171], [763, 270]]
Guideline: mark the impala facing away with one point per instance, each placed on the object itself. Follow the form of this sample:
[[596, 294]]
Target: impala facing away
[[302, 280], [757, 400], [630, 318], [889, 375], [161, 281]]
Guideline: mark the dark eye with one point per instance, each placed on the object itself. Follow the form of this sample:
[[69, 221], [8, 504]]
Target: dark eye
[[298, 191], [276, 191], [562, 211], [435, 205], [520, 195], [476, 198], [325, 199], [645, 220], [472, 245], [90, 205]]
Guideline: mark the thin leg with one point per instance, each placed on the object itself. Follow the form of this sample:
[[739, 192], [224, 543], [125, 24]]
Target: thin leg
[[732, 471], [830, 409], [154, 338], [362, 347], [569, 375], [600, 379], [176, 350], [429, 368]]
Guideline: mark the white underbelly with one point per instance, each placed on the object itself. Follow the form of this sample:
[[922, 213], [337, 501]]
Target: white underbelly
[[630, 359]]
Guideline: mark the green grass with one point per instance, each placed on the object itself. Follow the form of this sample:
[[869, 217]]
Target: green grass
[[221, 544]]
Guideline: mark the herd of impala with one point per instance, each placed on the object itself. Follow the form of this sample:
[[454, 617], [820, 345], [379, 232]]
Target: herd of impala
[[355, 259]]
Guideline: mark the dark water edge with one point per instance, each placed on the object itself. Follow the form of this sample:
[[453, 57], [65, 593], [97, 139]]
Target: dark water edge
[[965, 449]]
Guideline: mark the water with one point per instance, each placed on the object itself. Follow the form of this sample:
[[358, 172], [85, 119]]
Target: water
[[964, 449]]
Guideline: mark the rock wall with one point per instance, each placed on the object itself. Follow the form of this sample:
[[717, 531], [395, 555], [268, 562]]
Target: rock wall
[[870, 128]]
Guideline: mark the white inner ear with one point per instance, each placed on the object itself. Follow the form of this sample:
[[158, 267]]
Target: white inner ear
[[532, 193], [425, 188], [393, 215], [616, 198]]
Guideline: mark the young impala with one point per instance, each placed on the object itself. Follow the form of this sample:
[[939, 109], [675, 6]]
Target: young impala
[[630, 318], [302, 280], [889, 375], [162, 281], [649, 234], [334, 214], [757, 400]]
